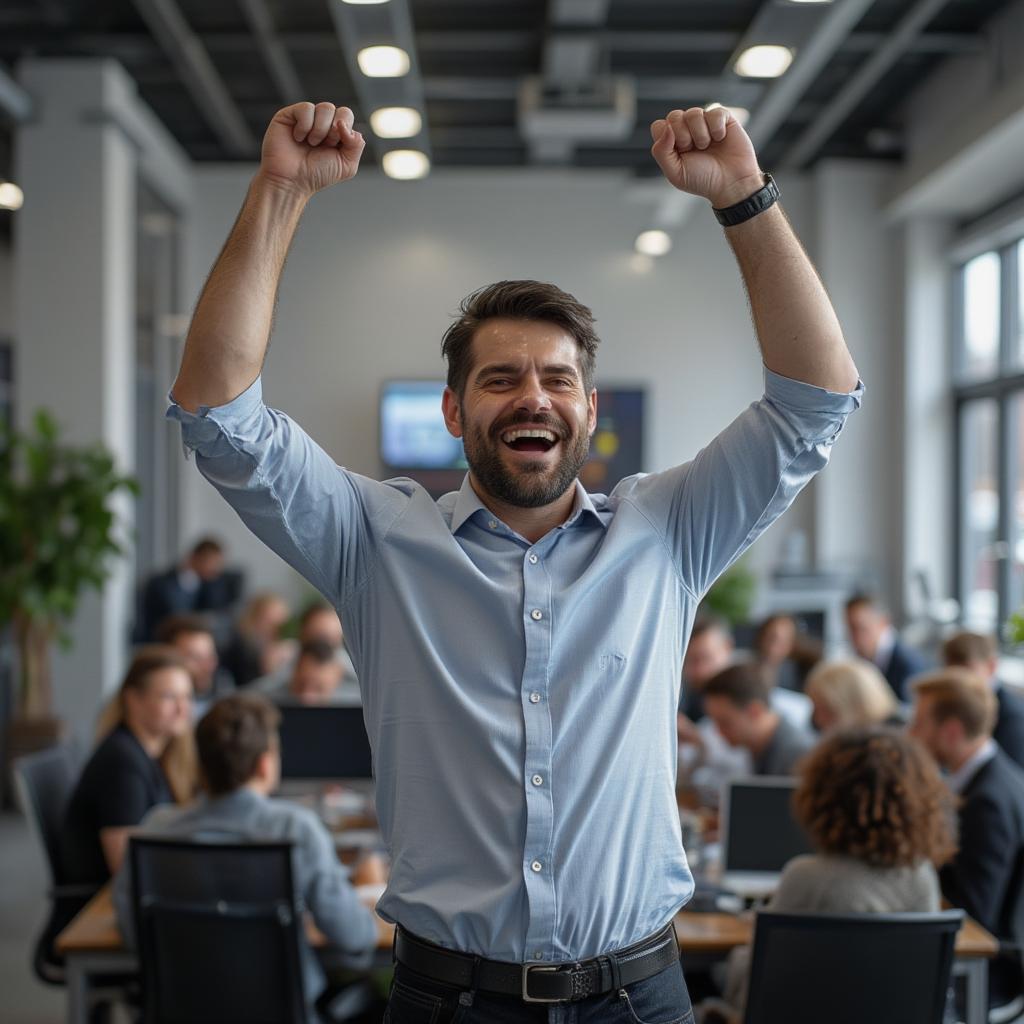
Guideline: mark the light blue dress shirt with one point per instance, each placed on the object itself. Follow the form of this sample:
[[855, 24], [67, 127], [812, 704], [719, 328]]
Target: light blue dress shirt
[[520, 698]]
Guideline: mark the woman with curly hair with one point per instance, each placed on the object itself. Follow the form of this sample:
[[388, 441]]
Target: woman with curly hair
[[880, 819]]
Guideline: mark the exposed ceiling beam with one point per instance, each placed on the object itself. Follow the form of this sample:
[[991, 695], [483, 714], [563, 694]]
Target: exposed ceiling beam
[[273, 51], [839, 107], [817, 50], [200, 77], [15, 102]]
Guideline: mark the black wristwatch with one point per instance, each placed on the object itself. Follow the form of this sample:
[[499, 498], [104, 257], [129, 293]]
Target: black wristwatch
[[767, 195]]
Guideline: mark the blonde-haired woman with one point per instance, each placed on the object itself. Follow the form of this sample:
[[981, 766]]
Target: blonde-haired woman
[[256, 648], [145, 757], [850, 693]]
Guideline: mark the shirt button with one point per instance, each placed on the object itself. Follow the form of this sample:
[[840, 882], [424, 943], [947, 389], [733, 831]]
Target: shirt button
[[536, 615], [538, 780], [538, 954], [533, 559], [535, 697], [536, 866], [493, 523]]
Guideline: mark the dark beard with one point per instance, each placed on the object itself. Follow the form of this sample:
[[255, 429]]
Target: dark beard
[[533, 486]]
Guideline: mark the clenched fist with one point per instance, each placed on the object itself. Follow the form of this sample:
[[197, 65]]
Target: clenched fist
[[707, 153], [309, 147]]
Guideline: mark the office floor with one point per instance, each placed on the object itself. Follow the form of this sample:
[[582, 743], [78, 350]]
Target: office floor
[[23, 999]]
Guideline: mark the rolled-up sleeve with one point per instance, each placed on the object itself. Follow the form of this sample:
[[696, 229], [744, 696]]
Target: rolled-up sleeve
[[712, 509], [319, 517]]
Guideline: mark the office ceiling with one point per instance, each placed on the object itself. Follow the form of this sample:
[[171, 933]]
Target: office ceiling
[[214, 71]]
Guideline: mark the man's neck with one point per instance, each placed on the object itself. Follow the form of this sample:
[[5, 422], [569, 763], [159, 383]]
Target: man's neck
[[960, 757], [531, 523], [760, 743]]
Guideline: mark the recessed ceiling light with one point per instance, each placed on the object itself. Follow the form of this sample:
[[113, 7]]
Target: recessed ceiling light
[[740, 113], [11, 197], [763, 61], [396, 122], [383, 61], [791, 1], [368, 2], [406, 164], [653, 243]]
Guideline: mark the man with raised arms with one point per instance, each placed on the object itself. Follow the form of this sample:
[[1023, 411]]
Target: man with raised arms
[[519, 642]]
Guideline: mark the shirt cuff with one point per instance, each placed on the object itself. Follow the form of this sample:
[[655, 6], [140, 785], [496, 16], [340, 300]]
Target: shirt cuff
[[209, 422], [798, 395]]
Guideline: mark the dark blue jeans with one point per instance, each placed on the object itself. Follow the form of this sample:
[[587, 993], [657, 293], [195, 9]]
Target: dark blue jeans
[[660, 999]]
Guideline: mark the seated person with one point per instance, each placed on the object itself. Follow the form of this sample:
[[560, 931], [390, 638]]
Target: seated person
[[144, 759], [979, 653], [850, 693], [738, 701], [240, 766], [192, 637], [786, 652], [315, 679], [954, 712], [873, 638], [256, 648], [879, 864], [196, 584]]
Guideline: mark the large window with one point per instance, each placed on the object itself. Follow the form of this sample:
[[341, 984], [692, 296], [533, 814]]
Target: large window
[[989, 395]]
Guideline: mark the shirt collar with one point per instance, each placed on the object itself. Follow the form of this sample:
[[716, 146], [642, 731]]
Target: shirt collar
[[468, 502], [959, 780]]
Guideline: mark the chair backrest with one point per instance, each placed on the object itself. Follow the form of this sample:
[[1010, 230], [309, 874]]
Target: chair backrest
[[217, 928], [851, 968], [44, 782]]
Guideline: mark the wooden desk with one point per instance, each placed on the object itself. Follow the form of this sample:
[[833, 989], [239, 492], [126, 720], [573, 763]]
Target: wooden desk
[[92, 944]]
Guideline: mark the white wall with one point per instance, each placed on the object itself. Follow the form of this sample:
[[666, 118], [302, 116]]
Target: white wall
[[378, 268]]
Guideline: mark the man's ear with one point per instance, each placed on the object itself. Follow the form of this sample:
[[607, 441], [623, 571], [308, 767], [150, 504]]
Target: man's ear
[[592, 412], [452, 410]]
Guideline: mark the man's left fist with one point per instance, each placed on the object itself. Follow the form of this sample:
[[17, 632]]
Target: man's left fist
[[707, 153]]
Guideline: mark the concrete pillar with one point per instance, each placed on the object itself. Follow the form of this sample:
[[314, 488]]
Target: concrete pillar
[[78, 161]]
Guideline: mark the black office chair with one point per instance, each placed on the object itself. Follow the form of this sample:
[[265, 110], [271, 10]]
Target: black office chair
[[43, 783], [851, 968], [217, 929]]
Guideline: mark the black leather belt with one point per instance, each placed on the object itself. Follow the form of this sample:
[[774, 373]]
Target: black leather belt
[[539, 982]]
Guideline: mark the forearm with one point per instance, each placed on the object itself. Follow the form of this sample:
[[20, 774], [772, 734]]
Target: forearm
[[230, 330], [796, 326]]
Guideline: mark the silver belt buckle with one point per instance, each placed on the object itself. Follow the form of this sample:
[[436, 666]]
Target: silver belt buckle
[[536, 966]]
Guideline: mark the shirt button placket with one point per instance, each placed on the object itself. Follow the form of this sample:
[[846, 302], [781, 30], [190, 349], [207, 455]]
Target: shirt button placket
[[539, 812]]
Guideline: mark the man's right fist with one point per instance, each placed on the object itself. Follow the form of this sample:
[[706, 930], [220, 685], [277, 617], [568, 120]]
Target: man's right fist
[[310, 147]]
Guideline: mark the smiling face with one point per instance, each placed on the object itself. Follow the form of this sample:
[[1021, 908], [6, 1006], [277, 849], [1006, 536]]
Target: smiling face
[[525, 416]]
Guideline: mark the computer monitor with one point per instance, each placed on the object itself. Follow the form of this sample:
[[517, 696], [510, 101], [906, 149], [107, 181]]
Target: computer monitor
[[324, 742], [759, 833]]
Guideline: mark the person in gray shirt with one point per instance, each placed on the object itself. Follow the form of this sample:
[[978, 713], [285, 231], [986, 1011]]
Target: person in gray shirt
[[738, 701], [240, 760]]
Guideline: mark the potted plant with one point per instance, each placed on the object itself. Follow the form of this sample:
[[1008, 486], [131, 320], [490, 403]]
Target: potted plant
[[57, 536]]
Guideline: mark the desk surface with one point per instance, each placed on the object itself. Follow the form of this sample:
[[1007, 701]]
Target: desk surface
[[94, 930]]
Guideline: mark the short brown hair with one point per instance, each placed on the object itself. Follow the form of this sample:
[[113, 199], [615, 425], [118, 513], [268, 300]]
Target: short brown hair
[[966, 648], [960, 694], [518, 300], [231, 737], [742, 684], [873, 794], [170, 628]]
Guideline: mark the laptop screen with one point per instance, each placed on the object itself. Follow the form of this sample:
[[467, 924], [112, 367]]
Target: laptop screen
[[328, 742], [760, 831]]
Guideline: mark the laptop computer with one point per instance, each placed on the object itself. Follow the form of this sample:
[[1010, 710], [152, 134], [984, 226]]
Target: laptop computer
[[758, 833]]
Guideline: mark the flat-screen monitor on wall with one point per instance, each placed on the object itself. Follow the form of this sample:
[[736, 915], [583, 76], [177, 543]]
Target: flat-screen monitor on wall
[[415, 443]]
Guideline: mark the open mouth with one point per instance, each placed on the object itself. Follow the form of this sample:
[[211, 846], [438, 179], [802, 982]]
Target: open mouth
[[530, 439]]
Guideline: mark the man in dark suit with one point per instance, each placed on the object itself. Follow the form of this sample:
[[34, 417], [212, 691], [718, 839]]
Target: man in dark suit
[[954, 711], [197, 584], [979, 653], [874, 639]]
